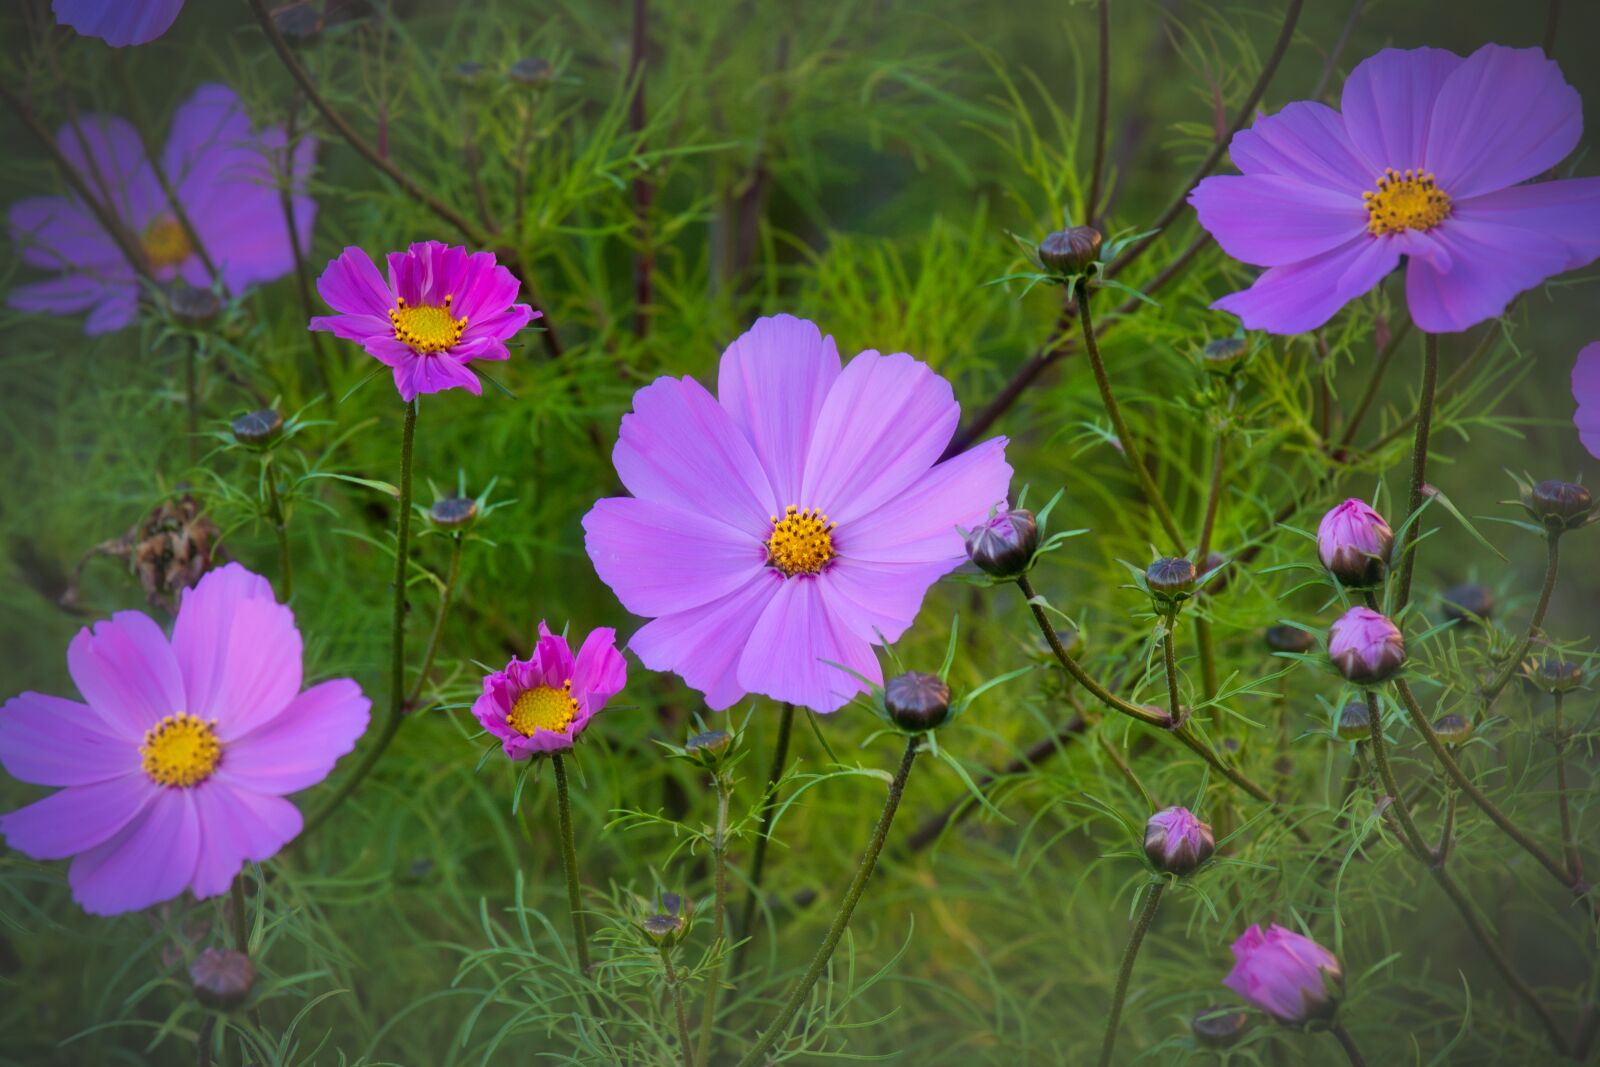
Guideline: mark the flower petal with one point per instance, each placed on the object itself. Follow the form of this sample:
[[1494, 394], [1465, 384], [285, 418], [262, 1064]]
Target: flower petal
[[1307, 141], [127, 673], [1272, 221], [1586, 391], [703, 645], [924, 523], [298, 748], [237, 825], [239, 651], [56, 233], [434, 372], [77, 818], [877, 602], [1302, 296], [51, 741], [797, 648], [1560, 212], [114, 167], [118, 22], [659, 559], [150, 860], [351, 285], [599, 672], [1388, 105], [1489, 264]]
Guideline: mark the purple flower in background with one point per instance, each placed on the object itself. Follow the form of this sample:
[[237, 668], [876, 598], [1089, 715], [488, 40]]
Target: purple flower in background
[[1365, 646], [541, 704], [174, 771], [1353, 542], [1586, 391], [1288, 976], [1424, 161], [439, 309], [118, 22], [226, 177], [781, 528], [1177, 842]]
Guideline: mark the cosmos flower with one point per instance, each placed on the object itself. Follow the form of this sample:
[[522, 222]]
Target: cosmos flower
[[224, 173], [1177, 841], [1288, 976], [1586, 391], [1366, 646], [439, 309], [118, 22], [173, 772], [541, 704], [781, 528], [1353, 542], [1424, 161]]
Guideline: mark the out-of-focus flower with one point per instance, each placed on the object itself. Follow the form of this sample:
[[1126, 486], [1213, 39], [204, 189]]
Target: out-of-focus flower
[[439, 309], [1353, 542], [1365, 646], [541, 704], [174, 771], [1355, 721], [1003, 545], [1468, 602], [118, 22], [168, 550], [1288, 976], [1586, 391], [1177, 842], [1285, 638], [224, 173], [1419, 162], [1218, 1027], [780, 529], [222, 978]]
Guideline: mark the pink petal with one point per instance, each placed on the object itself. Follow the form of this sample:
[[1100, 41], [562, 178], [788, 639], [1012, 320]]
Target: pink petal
[[1307, 141], [481, 288], [50, 741], [1565, 213], [434, 372], [773, 381], [298, 748], [356, 328], [77, 818], [600, 672], [1586, 390], [1272, 221], [118, 22], [1302, 296], [659, 559], [1388, 106], [924, 523], [150, 860], [1489, 264], [792, 651], [237, 825], [352, 285], [702, 645], [127, 673], [877, 602], [239, 651], [115, 168]]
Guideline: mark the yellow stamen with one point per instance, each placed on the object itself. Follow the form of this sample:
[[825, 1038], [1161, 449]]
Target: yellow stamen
[[180, 750], [426, 328], [543, 708], [801, 541], [165, 243], [1409, 201]]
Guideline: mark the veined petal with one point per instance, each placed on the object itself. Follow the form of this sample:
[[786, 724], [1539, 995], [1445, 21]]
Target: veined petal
[[1388, 105], [298, 748], [118, 22], [150, 860], [237, 825], [792, 651], [876, 601], [1272, 221], [703, 645], [1302, 296], [1565, 213], [659, 559], [1586, 391], [239, 651], [125, 669], [352, 285], [924, 523], [51, 741], [1489, 265], [79, 817], [1306, 141]]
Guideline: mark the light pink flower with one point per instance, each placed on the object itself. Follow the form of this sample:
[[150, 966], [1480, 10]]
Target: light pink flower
[[1288, 976], [1365, 646]]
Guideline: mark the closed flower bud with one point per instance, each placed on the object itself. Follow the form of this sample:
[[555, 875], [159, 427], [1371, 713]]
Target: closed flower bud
[[712, 741], [1003, 546], [1170, 579], [1366, 647], [299, 22], [1219, 1027], [222, 978], [531, 71], [453, 512], [192, 306], [1224, 355], [1071, 642], [1289, 639], [1288, 976], [1355, 721], [257, 427], [917, 701], [667, 926], [1177, 842], [1070, 251], [1468, 602], [1353, 542], [1452, 729], [1216, 565], [1560, 505], [1556, 675]]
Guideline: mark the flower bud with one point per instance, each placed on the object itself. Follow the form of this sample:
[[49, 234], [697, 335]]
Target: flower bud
[[1224, 355], [1069, 637], [1468, 602], [1288, 976], [712, 741], [468, 72], [663, 927], [1452, 729], [917, 701], [453, 512], [1556, 675], [1003, 546], [193, 307], [300, 22], [1366, 647], [1354, 543], [257, 427], [1355, 721], [1070, 251], [1170, 579], [1560, 505], [1218, 1027], [531, 71], [1289, 639], [1216, 565], [1177, 842], [222, 978]]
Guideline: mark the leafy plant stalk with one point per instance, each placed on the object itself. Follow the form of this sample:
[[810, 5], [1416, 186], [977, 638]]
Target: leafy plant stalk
[[1119, 996], [569, 864]]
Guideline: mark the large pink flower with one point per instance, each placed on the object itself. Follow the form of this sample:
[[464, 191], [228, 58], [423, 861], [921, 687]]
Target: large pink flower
[[1285, 974], [1586, 391], [541, 704], [781, 528], [439, 309], [174, 771], [1423, 161]]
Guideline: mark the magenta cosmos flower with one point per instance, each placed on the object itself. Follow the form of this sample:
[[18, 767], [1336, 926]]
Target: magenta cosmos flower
[[1177, 841], [1366, 646], [1353, 542], [1586, 391], [225, 175], [439, 309], [1288, 976], [541, 704], [778, 530], [1423, 161], [174, 771], [118, 22]]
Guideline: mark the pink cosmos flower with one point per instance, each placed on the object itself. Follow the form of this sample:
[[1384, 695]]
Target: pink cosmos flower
[[1288, 976], [224, 173], [1586, 391], [784, 526], [1177, 841], [118, 22], [1423, 161], [440, 308], [1353, 542], [174, 771], [541, 704], [1366, 646]]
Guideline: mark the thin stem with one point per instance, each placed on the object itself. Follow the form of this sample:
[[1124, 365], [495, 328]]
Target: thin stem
[[397, 638], [1551, 566], [1380, 366], [1141, 927], [1346, 1042], [644, 190], [1091, 204], [769, 810], [719, 914], [675, 991], [302, 272], [1174, 704], [191, 397], [1380, 755], [1447, 827], [208, 1026], [280, 526], [1552, 21], [569, 864], [1419, 467], [446, 596], [1130, 449], [1568, 839], [841, 921], [1337, 50], [241, 926]]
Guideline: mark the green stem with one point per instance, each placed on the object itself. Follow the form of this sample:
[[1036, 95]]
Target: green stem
[[1174, 704], [397, 638], [1552, 565], [1568, 840], [847, 907], [719, 866], [1130, 448], [1091, 204], [675, 991], [241, 925], [1140, 927], [1380, 366], [1346, 1042], [1419, 467], [191, 398], [569, 864], [280, 526], [452, 575], [769, 810]]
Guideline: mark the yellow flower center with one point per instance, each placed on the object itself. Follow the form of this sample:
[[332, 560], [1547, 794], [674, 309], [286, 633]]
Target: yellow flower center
[[180, 750], [1408, 201], [165, 243], [426, 328], [543, 708], [801, 542]]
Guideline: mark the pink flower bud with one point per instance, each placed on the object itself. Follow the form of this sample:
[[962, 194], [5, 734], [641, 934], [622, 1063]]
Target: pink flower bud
[[1177, 842], [1354, 542], [1290, 977], [1365, 646]]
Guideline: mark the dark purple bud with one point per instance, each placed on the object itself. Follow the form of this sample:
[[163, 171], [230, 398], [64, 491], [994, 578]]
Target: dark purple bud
[[257, 427], [1219, 1027], [1452, 729], [1225, 354], [1468, 602], [453, 512], [1556, 675], [1003, 546], [222, 978], [299, 22], [1366, 647], [711, 741], [1560, 505], [1070, 251], [1354, 543], [192, 306], [1355, 721], [1171, 578], [1289, 639], [1177, 842], [531, 71], [917, 701], [663, 927]]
